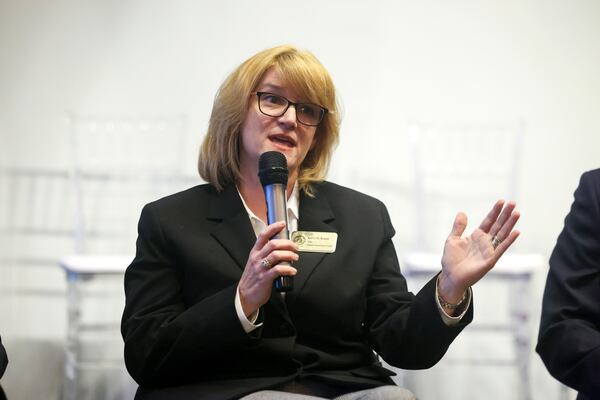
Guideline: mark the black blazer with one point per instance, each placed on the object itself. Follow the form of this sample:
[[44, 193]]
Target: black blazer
[[3, 364], [180, 325], [569, 337], [3, 359]]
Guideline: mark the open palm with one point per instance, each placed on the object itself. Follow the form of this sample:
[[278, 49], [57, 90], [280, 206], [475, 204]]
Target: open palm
[[467, 259]]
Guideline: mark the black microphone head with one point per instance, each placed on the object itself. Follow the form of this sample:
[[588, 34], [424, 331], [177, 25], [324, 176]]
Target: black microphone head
[[272, 168]]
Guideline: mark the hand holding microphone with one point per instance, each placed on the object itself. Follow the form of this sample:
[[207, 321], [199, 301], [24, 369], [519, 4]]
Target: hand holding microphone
[[273, 174], [270, 260]]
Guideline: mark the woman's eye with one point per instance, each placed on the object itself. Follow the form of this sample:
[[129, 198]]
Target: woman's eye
[[273, 99], [307, 110]]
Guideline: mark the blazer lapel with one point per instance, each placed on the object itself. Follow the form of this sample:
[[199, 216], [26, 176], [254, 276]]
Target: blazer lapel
[[234, 232], [316, 216]]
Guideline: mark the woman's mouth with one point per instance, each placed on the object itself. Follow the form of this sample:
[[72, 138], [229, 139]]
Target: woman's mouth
[[282, 140]]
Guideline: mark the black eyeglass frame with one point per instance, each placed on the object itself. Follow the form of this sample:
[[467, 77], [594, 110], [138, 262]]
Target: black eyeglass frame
[[291, 103]]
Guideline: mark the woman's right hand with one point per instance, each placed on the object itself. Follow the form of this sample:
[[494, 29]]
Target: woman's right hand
[[257, 279]]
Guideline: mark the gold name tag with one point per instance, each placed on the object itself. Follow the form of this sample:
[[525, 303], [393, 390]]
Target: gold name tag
[[315, 242]]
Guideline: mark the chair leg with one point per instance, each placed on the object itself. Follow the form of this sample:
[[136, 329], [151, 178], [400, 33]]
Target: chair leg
[[519, 311], [72, 346]]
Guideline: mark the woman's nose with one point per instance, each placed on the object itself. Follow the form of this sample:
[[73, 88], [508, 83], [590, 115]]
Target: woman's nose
[[289, 117]]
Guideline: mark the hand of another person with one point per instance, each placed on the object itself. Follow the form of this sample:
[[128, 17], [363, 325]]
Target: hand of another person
[[263, 267], [467, 259]]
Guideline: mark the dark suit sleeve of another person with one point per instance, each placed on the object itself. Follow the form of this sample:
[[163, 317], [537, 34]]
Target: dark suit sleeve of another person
[[569, 337], [3, 359]]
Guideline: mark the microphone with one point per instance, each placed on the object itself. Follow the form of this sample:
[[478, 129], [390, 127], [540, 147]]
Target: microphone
[[273, 174]]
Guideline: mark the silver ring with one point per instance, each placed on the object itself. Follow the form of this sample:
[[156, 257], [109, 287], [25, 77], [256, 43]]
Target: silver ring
[[265, 263], [495, 242]]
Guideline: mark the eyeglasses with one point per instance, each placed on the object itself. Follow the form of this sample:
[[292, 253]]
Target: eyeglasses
[[274, 105]]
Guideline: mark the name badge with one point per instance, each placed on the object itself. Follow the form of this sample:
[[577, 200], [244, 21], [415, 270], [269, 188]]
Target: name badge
[[315, 242]]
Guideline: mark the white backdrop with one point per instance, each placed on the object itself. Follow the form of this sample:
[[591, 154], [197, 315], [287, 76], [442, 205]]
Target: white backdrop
[[392, 61]]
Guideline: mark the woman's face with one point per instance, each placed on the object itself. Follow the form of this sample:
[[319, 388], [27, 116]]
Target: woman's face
[[262, 133]]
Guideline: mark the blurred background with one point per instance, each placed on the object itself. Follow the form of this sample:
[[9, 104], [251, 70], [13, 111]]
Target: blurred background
[[103, 105]]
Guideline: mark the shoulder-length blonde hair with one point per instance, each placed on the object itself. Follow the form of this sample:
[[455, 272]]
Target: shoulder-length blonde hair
[[219, 159]]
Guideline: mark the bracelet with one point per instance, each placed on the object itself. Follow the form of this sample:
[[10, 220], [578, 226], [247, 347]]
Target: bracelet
[[443, 302]]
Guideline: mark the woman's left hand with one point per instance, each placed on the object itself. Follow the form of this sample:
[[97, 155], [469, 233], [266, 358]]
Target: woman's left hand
[[467, 259]]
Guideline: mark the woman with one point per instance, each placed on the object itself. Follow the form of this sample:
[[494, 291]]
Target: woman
[[201, 319]]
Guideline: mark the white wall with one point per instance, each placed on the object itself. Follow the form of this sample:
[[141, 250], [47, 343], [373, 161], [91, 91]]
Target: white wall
[[392, 61]]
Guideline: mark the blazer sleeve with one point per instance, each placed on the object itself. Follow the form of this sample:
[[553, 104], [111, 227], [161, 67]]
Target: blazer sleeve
[[167, 342], [569, 336], [406, 330], [3, 359]]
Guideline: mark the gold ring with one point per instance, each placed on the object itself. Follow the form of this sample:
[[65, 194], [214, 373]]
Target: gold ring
[[265, 263]]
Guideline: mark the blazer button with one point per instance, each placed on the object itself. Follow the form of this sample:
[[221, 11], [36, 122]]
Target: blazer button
[[286, 329]]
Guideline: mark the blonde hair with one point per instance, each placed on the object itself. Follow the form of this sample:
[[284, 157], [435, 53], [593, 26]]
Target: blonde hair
[[219, 159]]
